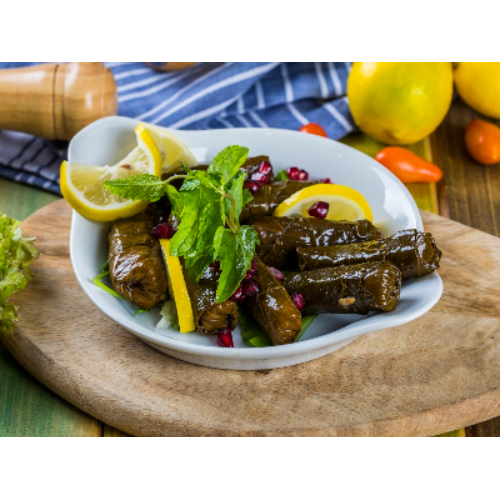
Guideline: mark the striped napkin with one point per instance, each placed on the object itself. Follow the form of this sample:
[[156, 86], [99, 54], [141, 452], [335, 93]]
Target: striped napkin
[[204, 96]]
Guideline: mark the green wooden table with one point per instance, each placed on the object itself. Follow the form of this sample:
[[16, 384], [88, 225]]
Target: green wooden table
[[469, 193]]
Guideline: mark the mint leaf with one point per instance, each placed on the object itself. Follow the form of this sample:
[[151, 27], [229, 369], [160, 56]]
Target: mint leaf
[[201, 215], [185, 167], [235, 253], [175, 200], [235, 189], [227, 162], [145, 187], [281, 176], [247, 196]]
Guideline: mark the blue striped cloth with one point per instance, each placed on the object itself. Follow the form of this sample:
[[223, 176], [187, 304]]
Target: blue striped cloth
[[204, 96]]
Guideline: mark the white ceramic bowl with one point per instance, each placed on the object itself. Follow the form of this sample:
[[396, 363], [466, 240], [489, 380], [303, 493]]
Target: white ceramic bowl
[[109, 139]]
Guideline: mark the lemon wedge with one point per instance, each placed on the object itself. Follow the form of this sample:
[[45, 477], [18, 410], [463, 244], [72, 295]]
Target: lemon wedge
[[172, 149], [344, 202], [177, 288], [83, 186]]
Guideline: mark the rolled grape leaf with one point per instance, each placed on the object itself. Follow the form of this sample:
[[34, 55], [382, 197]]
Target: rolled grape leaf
[[280, 236], [269, 197], [135, 261], [273, 309], [357, 289], [413, 252], [209, 315]]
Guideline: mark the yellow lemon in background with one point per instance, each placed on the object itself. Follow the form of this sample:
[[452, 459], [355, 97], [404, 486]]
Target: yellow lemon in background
[[401, 102], [478, 84]]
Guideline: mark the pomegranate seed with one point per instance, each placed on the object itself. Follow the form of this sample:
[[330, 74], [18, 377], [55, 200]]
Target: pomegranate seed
[[303, 176], [238, 295], [326, 180], [252, 271], [215, 265], [164, 230], [225, 338], [276, 273], [261, 179], [293, 173], [298, 300], [250, 287], [265, 168], [319, 210], [252, 186]]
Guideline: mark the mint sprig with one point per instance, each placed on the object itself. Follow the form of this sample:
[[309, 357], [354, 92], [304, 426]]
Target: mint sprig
[[208, 206]]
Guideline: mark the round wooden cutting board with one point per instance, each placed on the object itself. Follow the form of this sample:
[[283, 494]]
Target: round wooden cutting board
[[436, 374]]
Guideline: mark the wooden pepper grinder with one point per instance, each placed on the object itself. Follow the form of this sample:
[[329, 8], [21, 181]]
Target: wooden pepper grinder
[[55, 101]]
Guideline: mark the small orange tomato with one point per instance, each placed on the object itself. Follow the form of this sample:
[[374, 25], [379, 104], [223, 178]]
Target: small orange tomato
[[313, 128], [407, 166], [483, 142]]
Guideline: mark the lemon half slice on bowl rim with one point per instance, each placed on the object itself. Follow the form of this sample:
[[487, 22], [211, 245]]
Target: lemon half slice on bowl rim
[[83, 186], [345, 203]]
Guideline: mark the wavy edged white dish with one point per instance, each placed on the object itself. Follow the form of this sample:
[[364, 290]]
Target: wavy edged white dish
[[109, 139]]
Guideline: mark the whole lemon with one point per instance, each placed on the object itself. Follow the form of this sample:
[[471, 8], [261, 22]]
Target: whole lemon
[[400, 102], [478, 84]]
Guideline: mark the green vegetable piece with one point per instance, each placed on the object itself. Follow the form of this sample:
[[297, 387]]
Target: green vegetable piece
[[97, 281], [306, 323], [227, 162], [17, 252], [251, 332], [139, 187], [281, 176], [140, 311]]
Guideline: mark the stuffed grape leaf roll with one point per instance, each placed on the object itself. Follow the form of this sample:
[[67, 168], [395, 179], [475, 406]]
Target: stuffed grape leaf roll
[[273, 308], [280, 236], [414, 252], [356, 289], [269, 197], [208, 315], [135, 261]]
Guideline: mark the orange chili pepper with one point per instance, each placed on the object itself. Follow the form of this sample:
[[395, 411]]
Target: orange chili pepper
[[313, 128], [407, 166], [483, 142]]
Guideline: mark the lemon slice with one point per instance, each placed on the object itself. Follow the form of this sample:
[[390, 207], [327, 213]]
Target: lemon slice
[[344, 202], [173, 150], [83, 186], [177, 288]]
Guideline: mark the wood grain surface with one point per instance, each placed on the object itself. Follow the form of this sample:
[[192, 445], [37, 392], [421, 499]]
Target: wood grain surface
[[434, 375]]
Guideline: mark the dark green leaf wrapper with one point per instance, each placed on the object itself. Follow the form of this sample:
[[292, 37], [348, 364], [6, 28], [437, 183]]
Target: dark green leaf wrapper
[[252, 164], [269, 197], [280, 236], [135, 261], [210, 316], [357, 289], [414, 252], [273, 308]]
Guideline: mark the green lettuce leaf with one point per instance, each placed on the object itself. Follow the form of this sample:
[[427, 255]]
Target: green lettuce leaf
[[17, 252]]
